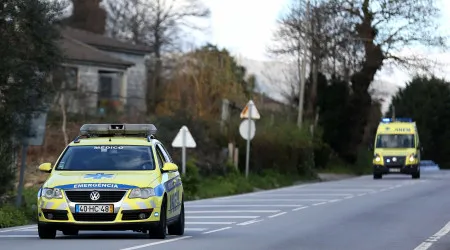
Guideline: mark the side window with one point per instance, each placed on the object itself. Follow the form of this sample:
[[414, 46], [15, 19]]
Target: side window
[[165, 153], [159, 155]]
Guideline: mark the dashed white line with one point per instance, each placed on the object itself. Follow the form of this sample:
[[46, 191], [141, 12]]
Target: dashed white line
[[217, 230], [349, 197], [248, 222], [196, 229], [222, 217], [209, 223], [17, 236], [384, 189], [331, 201], [156, 243], [250, 205], [232, 211], [429, 242], [275, 215], [17, 229], [305, 194], [273, 200], [299, 208], [361, 194], [320, 203]]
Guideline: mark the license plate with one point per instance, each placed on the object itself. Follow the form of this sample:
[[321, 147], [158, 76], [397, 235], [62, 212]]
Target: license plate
[[394, 170], [96, 209]]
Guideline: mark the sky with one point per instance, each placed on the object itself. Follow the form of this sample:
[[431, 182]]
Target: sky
[[245, 27]]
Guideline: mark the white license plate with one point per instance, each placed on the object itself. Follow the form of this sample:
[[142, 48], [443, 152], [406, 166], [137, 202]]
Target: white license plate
[[395, 170], [96, 209]]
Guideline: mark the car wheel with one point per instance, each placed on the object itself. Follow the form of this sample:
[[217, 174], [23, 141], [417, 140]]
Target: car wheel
[[46, 232], [377, 176], [178, 227], [70, 232], [159, 231]]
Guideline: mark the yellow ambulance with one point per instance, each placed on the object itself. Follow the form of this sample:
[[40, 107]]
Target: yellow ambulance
[[397, 148]]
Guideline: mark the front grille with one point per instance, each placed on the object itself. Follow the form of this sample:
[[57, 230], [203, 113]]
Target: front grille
[[94, 217], [399, 161], [55, 214], [105, 196]]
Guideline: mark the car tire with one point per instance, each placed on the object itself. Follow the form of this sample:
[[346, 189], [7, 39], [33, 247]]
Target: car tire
[[160, 230], [416, 175], [71, 232], [46, 232], [177, 228], [377, 176]]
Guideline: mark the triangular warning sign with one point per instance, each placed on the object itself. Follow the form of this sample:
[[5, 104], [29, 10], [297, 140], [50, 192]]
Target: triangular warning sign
[[188, 141], [246, 111]]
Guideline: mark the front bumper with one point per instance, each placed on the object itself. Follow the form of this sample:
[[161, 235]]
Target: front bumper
[[404, 169], [128, 214]]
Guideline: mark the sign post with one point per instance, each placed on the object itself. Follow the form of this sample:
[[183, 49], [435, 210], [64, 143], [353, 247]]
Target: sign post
[[184, 140], [35, 138], [248, 129]]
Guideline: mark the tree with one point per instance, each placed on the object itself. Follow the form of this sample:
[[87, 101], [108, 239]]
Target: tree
[[158, 24], [377, 31], [427, 101], [204, 77], [24, 70]]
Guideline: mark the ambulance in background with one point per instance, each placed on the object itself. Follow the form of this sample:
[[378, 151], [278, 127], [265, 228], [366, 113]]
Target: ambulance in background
[[397, 148]]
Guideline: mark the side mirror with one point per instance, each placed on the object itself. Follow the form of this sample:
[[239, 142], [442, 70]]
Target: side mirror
[[169, 167], [45, 167]]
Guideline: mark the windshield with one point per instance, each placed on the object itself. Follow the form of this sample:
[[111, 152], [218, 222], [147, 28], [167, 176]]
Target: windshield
[[395, 141], [103, 158]]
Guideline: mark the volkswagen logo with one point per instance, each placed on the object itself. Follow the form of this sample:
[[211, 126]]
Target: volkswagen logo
[[95, 195]]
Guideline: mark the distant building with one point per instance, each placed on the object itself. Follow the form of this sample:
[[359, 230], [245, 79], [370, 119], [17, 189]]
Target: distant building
[[103, 73]]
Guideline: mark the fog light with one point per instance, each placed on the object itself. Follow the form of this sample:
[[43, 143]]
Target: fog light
[[50, 216], [156, 214], [142, 216]]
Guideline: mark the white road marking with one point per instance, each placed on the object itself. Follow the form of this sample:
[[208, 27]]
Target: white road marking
[[217, 230], [17, 229], [361, 194], [250, 205], [271, 200], [349, 197], [299, 208], [384, 189], [305, 194], [17, 236], [248, 222], [156, 243], [342, 190], [320, 203], [29, 230], [195, 229], [435, 237], [209, 223], [275, 215], [232, 211], [222, 217], [334, 200]]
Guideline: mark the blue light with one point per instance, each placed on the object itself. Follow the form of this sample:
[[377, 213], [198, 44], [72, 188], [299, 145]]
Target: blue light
[[387, 120], [404, 119]]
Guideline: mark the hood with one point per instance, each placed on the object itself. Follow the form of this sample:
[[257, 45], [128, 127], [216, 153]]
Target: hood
[[394, 151], [98, 179]]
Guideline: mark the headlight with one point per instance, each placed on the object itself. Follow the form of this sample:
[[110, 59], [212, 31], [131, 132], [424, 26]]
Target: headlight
[[51, 193], [142, 193], [377, 158], [412, 157]]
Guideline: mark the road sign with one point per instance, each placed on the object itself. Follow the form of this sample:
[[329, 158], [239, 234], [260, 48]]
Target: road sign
[[244, 127], [254, 113], [184, 140], [36, 138]]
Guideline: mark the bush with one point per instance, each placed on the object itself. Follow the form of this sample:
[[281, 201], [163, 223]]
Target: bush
[[191, 180], [10, 216]]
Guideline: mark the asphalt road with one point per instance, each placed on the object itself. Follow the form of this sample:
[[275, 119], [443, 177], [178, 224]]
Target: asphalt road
[[395, 213]]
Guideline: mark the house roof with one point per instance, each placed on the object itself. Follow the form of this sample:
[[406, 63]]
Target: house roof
[[104, 42], [78, 52]]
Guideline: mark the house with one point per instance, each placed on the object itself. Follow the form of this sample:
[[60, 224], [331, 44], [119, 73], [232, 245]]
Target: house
[[102, 73]]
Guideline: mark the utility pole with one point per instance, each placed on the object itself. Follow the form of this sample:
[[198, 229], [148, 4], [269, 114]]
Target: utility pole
[[302, 72]]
